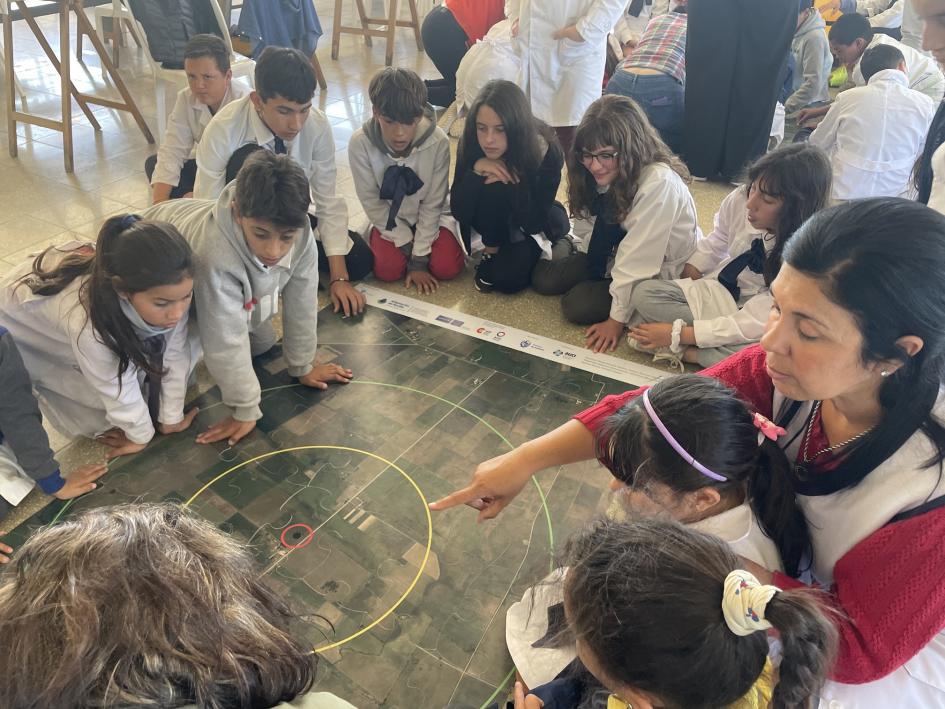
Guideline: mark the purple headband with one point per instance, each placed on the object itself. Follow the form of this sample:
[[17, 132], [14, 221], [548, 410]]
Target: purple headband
[[675, 444]]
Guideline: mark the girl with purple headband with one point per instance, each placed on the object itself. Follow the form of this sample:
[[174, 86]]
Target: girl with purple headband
[[687, 450]]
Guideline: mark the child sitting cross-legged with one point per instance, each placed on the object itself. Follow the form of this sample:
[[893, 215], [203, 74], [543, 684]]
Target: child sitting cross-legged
[[400, 161], [722, 302], [664, 616], [688, 450]]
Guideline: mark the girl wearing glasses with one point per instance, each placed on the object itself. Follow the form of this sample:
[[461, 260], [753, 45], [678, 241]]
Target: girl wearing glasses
[[635, 218], [722, 303], [508, 169]]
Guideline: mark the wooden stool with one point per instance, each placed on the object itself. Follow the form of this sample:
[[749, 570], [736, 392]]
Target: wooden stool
[[388, 26]]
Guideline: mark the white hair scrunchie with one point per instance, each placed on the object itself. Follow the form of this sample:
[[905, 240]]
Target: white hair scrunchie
[[744, 599]]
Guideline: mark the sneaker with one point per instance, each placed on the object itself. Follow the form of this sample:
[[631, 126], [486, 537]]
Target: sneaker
[[634, 345], [483, 279], [672, 359]]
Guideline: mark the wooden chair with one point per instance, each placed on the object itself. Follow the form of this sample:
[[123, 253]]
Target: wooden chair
[[387, 27], [63, 9]]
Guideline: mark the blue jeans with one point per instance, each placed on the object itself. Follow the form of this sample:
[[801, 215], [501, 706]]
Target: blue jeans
[[660, 96]]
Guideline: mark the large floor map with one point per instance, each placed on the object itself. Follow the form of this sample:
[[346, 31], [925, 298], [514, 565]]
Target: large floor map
[[330, 492]]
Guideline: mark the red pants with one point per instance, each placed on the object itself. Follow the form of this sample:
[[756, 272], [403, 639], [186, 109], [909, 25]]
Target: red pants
[[390, 263]]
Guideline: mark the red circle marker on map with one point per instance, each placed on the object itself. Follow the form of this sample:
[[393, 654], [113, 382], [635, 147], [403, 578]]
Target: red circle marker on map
[[309, 534]]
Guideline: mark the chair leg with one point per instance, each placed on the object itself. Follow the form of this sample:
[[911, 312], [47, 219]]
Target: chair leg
[[391, 33], [415, 21], [78, 44], [363, 16], [336, 30], [131, 31], [159, 92], [319, 74]]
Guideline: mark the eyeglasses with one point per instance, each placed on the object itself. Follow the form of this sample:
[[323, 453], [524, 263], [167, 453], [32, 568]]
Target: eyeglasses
[[605, 159]]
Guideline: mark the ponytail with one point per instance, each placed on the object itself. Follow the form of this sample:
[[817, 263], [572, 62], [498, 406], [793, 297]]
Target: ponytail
[[772, 498], [130, 256], [808, 641]]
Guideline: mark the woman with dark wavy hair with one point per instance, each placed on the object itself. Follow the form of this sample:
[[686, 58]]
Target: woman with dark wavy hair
[[146, 606]]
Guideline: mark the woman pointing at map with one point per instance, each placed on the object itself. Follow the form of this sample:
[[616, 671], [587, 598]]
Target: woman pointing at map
[[851, 365]]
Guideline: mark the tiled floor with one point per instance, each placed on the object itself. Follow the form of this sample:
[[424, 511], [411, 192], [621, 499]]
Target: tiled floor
[[41, 205]]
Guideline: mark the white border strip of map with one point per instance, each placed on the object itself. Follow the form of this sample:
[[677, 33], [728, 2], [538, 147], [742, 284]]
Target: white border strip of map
[[514, 339]]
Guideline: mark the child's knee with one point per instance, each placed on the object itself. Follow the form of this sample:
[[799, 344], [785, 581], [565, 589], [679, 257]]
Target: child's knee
[[586, 303], [390, 263], [446, 256]]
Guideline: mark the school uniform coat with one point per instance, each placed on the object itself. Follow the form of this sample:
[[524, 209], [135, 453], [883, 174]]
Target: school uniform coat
[[75, 376], [873, 135], [185, 128], [661, 235], [422, 213], [925, 75], [717, 319], [313, 149], [235, 293], [563, 77]]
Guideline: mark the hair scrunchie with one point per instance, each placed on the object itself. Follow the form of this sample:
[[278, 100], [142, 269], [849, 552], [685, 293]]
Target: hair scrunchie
[[744, 600]]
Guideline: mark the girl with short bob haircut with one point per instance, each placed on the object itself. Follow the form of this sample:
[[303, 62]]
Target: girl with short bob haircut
[[508, 170], [690, 449], [146, 606], [622, 180], [103, 332], [722, 302], [664, 616]]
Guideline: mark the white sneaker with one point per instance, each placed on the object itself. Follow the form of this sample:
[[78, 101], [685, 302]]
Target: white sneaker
[[672, 359]]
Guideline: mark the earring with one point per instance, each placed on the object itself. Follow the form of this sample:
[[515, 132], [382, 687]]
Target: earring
[[884, 373]]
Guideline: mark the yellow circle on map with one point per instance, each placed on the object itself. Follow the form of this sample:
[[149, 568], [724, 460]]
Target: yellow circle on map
[[423, 499]]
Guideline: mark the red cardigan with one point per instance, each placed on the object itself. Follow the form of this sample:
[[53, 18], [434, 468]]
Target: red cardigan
[[476, 17], [889, 589]]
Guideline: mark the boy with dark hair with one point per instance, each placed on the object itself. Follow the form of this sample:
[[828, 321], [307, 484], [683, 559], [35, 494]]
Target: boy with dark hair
[[400, 161], [852, 35], [874, 133], [252, 245], [209, 87], [278, 116], [812, 60]]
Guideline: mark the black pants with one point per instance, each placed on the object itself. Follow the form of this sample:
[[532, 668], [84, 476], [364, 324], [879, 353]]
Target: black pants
[[359, 260], [188, 175], [510, 270], [445, 43], [736, 56]]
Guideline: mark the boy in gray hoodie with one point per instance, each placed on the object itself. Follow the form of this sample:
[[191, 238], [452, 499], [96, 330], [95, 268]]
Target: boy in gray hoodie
[[251, 246], [400, 161], [813, 60]]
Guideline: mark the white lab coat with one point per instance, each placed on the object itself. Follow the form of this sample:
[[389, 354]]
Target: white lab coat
[[563, 77], [873, 135], [925, 75], [185, 127], [937, 197], [75, 375], [717, 319], [661, 235], [313, 149]]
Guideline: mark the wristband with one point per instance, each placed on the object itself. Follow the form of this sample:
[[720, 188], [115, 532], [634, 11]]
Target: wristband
[[337, 280], [674, 345]]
